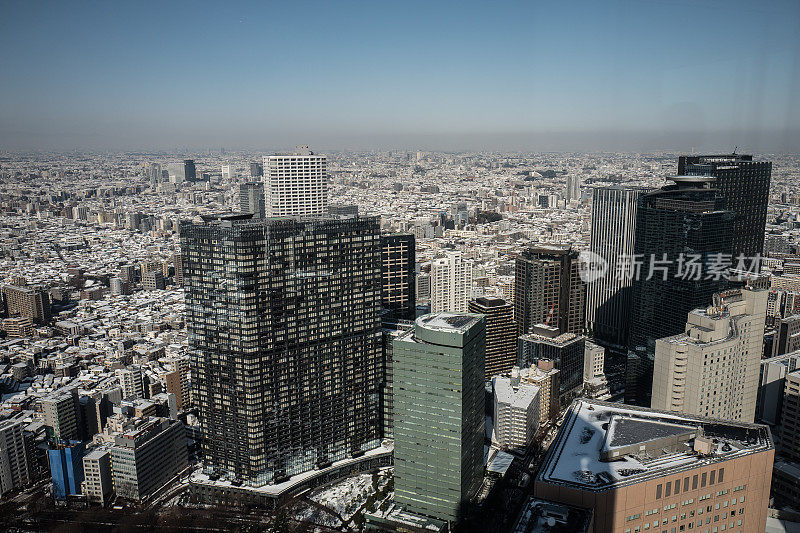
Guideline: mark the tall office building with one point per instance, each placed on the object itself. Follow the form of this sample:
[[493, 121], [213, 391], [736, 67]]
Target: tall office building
[[295, 303], [177, 263], [790, 418], [189, 170], [744, 184], [501, 334], [566, 351], [398, 275], [548, 289], [573, 188], [451, 283], [771, 385], [251, 199], [296, 183], [608, 301], [228, 172], [176, 172], [787, 336], [256, 169], [646, 470], [439, 414], [681, 230], [14, 460], [154, 174], [712, 369]]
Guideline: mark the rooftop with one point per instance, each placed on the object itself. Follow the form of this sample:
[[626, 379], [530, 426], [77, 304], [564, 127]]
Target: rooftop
[[591, 426], [448, 322]]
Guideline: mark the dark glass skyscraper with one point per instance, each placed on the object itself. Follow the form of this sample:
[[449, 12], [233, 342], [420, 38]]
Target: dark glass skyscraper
[[686, 220], [548, 289], [398, 285], [189, 170], [283, 319], [744, 185]]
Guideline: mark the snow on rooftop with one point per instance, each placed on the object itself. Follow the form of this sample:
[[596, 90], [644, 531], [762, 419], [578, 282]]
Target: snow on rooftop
[[574, 458]]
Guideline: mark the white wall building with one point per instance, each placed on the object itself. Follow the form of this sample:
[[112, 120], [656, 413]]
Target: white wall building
[[451, 283], [516, 411], [296, 184], [130, 379], [97, 481], [713, 369]]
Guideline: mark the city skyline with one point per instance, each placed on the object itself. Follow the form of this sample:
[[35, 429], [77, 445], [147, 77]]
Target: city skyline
[[621, 76]]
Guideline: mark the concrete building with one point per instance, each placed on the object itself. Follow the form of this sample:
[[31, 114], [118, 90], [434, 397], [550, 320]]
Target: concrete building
[[545, 376], [515, 412], [61, 411], [787, 336], [642, 469], [176, 382], [251, 199], [98, 484], [548, 289], [771, 385], [14, 460], [565, 350], [451, 283], [147, 455], [153, 280], [501, 338], [296, 183], [27, 302], [18, 327], [713, 368], [595, 384], [131, 381], [790, 418], [439, 414]]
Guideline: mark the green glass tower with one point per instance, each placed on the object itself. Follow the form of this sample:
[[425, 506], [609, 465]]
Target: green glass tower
[[439, 414]]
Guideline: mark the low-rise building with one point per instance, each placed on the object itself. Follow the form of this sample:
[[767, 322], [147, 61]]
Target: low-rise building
[[146, 455]]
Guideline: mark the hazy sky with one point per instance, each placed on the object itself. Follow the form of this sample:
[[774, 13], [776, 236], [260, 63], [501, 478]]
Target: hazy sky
[[533, 75]]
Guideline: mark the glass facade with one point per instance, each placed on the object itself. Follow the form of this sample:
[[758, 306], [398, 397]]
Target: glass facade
[[283, 319], [684, 219], [439, 414]]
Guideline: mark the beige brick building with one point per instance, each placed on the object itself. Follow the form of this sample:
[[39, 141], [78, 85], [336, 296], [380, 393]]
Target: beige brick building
[[645, 470]]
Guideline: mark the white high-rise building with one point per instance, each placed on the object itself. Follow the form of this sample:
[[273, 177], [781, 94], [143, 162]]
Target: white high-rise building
[[227, 172], [296, 184], [713, 368], [451, 283], [516, 411]]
